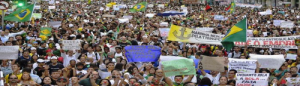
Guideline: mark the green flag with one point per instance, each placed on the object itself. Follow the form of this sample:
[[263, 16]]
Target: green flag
[[139, 7], [179, 67], [232, 7], [89, 1], [21, 15], [46, 31], [236, 33]]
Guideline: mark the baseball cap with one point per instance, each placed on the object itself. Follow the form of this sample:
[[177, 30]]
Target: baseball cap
[[53, 57], [40, 60], [32, 48]]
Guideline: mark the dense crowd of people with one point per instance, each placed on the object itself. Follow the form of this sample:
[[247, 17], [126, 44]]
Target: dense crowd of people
[[101, 61]]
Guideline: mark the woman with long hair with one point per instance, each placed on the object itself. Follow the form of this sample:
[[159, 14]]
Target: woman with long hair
[[223, 81], [26, 79], [46, 81]]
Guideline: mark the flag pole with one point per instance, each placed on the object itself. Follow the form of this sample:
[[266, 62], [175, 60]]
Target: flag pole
[[2, 21]]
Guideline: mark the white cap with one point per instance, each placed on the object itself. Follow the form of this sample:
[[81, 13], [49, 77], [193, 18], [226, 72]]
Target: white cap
[[40, 60], [32, 48], [53, 57]]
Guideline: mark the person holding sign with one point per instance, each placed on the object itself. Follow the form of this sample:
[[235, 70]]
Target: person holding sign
[[159, 79], [179, 80]]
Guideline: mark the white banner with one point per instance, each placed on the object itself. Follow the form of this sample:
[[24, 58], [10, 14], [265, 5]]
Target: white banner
[[206, 29], [293, 81], [55, 24], [71, 44], [37, 7], [9, 52], [291, 56], [220, 17], [269, 61], [248, 5], [51, 7], [277, 22], [242, 65], [198, 36], [271, 42], [252, 79], [287, 24]]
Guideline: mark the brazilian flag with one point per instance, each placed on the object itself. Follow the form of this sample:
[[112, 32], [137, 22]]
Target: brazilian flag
[[46, 31], [237, 33], [139, 7], [21, 14]]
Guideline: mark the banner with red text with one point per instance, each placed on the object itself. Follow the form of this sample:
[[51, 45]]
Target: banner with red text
[[271, 42], [252, 79]]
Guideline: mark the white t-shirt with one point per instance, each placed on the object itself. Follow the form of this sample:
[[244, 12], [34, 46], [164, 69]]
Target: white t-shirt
[[214, 80]]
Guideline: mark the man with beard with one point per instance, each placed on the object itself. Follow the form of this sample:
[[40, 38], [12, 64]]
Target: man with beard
[[13, 80]]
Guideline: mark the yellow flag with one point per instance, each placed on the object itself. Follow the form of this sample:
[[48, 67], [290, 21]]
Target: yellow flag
[[178, 33]]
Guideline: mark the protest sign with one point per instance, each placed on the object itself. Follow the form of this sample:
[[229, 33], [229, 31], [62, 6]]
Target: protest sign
[[71, 44], [150, 5], [150, 15], [161, 5], [122, 6], [123, 20], [213, 63], [252, 79], [248, 5], [206, 29], [37, 7], [267, 12], [164, 32], [51, 1], [242, 65], [108, 15], [164, 24], [220, 17], [249, 33], [270, 42], [193, 36], [142, 53], [269, 61], [169, 58], [127, 17], [55, 24], [291, 56], [287, 24], [293, 81], [277, 22], [9, 52], [179, 67], [37, 15], [116, 7], [51, 7]]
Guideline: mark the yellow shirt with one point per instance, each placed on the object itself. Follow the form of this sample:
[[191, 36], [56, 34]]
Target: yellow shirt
[[18, 75]]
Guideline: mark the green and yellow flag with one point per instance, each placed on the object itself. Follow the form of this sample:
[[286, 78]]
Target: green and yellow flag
[[46, 31], [139, 7], [236, 33], [232, 7], [21, 14]]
